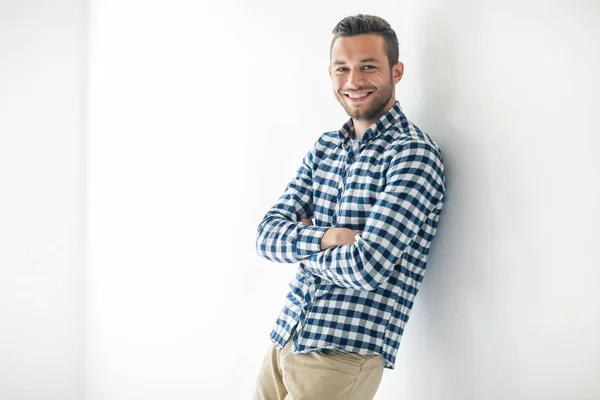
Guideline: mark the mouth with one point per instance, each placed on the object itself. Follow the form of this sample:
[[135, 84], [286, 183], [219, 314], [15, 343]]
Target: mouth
[[357, 97]]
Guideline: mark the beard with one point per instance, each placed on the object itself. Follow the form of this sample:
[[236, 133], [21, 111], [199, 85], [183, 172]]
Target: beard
[[374, 111]]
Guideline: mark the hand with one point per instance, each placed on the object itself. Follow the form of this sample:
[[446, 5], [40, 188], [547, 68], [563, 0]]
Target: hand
[[307, 221], [346, 236], [334, 236], [338, 237]]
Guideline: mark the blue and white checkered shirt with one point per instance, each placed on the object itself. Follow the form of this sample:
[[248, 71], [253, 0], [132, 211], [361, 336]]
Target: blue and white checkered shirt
[[389, 186]]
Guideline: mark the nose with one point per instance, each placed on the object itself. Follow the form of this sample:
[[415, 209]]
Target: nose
[[355, 78]]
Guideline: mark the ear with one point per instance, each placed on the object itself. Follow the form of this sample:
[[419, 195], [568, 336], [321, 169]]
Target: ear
[[397, 71], [330, 72]]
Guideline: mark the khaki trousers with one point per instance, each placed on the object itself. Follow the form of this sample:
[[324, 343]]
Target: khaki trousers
[[318, 375]]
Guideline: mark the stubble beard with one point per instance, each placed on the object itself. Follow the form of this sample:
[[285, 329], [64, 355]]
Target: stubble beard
[[375, 111]]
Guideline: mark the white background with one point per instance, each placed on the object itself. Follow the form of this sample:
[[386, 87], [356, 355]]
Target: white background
[[42, 119], [141, 143]]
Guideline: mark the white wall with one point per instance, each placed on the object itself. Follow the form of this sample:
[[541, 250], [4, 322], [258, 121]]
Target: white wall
[[42, 104], [200, 114], [510, 307]]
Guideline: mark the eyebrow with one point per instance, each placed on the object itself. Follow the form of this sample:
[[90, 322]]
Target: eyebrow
[[364, 60]]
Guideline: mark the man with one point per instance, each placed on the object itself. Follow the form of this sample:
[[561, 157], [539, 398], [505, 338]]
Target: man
[[375, 190]]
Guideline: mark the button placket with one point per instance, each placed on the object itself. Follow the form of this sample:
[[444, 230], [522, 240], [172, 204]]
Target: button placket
[[347, 163]]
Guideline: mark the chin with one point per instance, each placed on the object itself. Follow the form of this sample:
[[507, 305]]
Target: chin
[[359, 114], [354, 109]]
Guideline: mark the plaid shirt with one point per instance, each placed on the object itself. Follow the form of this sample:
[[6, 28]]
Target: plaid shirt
[[389, 186]]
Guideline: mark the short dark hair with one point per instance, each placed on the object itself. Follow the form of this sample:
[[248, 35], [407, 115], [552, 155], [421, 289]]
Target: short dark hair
[[362, 24]]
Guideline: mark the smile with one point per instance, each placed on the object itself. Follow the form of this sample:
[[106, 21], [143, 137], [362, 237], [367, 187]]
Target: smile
[[357, 97]]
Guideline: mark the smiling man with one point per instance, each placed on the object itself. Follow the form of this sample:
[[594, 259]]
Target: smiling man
[[359, 218], [363, 78]]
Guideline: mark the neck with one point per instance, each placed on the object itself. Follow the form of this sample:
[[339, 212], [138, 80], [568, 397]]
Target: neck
[[360, 127]]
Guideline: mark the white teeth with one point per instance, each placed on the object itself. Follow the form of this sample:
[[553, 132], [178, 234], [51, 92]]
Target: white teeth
[[357, 96]]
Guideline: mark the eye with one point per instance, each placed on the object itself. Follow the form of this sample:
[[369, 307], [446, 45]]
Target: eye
[[342, 69], [369, 67]]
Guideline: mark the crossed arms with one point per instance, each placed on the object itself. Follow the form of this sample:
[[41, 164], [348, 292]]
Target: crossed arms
[[414, 190]]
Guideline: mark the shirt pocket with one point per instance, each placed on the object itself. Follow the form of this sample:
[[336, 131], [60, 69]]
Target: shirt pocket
[[359, 196]]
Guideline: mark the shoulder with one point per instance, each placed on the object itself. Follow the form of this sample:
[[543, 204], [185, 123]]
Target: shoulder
[[331, 138], [326, 144], [404, 135]]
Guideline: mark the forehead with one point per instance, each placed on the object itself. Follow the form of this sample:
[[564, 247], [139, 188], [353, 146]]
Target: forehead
[[356, 48]]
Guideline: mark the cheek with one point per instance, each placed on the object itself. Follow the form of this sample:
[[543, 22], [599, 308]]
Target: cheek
[[383, 80]]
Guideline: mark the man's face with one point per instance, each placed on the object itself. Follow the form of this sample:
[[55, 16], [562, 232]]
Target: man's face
[[363, 82]]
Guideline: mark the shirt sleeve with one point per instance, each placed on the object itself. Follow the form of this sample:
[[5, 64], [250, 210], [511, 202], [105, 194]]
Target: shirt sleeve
[[414, 192], [280, 236]]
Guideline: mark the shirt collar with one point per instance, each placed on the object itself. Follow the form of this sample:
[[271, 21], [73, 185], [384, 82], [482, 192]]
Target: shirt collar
[[348, 133]]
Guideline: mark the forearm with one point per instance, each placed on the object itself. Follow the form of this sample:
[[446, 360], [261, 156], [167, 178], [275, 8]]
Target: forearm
[[351, 264], [284, 240], [334, 241], [337, 237]]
